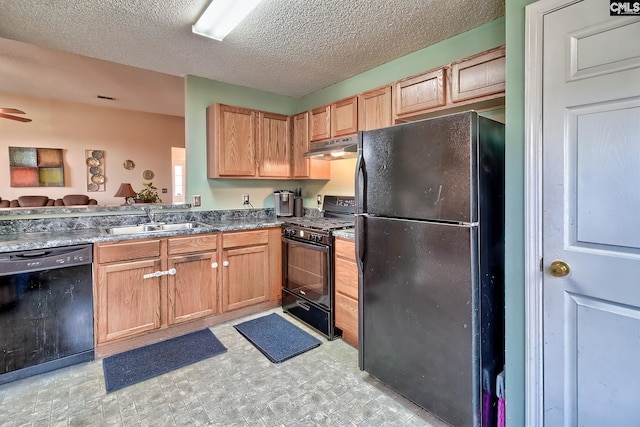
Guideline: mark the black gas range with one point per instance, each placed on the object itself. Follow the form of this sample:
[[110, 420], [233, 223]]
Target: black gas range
[[307, 263]]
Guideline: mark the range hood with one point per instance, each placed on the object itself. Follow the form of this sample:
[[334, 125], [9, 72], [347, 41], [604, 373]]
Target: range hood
[[334, 149]]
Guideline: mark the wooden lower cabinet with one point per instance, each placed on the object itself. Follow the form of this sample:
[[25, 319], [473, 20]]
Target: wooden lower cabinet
[[245, 278], [346, 290], [250, 273], [192, 290], [127, 304], [205, 275]]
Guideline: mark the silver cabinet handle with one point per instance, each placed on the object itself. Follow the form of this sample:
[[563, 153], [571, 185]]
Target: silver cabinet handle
[[214, 265], [152, 275], [225, 263], [170, 272]]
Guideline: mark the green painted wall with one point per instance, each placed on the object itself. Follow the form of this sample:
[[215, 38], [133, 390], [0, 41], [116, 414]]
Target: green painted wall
[[200, 93], [225, 193], [514, 214]]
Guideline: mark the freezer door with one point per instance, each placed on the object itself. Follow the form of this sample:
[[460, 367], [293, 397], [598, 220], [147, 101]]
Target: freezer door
[[420, 170], [419, 314]]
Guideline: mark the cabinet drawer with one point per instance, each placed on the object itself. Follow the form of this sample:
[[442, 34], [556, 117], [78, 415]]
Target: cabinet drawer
[[124, 251], [346, 249], [346, 278], [347, 317], [245, 238], [191, 244]]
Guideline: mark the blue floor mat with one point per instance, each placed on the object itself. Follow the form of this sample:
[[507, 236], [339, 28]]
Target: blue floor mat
[[277, 338], [124, 369]]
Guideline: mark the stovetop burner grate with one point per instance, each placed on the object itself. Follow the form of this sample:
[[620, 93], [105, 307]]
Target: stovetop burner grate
[[322, 224]]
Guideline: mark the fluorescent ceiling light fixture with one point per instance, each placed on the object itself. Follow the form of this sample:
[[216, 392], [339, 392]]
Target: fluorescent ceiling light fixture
[[222, 16]]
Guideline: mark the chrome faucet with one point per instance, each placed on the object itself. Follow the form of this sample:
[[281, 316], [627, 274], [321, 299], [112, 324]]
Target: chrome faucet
[[150, 214]]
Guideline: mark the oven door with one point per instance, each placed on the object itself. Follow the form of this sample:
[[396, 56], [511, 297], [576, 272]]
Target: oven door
[[307, 271]]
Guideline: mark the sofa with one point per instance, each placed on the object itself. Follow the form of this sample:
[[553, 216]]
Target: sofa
[[43, 201]]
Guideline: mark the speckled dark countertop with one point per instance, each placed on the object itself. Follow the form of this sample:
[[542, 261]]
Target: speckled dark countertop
[[40, 240], [348, 233], [23, 232]]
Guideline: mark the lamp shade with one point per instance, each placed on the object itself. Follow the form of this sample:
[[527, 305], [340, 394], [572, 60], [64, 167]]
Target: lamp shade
[[125, 190]]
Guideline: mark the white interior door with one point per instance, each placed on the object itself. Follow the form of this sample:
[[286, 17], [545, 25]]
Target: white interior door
[[590, 216]]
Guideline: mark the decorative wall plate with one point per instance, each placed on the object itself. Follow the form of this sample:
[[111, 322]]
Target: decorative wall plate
[[128, 165], [92, 161], [94, 170], [97, 154], [97, 179], [148, 174], [92, 187]]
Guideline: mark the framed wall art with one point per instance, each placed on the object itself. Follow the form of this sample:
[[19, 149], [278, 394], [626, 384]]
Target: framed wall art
[[36, 167]]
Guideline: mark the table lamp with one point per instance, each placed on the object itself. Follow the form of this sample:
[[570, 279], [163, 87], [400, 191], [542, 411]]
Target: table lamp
[[127, 192]]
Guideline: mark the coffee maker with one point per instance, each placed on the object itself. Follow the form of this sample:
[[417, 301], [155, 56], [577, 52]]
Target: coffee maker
[[283, 202]]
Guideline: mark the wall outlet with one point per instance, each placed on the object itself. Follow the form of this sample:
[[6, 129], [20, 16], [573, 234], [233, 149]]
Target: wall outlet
[[197, 200], [245, 199], [164, 191], [319, 199]]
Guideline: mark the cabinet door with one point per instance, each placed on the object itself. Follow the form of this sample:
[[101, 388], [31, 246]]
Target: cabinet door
[[479, 76], [320, 123], [127, 304], [346, 287], [374, 109], [344, 117], [274, 148], [304, 167], [231, 142], [192, 289], [245, 276], [420, 93]]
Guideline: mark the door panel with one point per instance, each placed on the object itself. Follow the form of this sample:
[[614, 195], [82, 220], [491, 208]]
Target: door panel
[[605, 176], [591, 351], [591, 176]]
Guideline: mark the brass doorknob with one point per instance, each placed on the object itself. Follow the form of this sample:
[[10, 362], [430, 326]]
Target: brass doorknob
[[559, 269]]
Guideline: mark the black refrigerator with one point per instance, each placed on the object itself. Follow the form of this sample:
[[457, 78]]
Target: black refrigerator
[[430, 253]]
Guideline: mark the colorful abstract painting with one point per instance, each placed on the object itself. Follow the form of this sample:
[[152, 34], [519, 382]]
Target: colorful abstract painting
[[36, 167]]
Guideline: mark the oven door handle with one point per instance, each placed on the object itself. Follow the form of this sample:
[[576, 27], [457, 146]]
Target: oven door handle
[[322, 248]]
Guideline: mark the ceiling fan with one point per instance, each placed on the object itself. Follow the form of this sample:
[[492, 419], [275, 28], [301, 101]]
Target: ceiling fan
[[7, 113]]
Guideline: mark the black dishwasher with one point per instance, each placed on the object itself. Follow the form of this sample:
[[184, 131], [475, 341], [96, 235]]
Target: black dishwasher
[[46, 310]]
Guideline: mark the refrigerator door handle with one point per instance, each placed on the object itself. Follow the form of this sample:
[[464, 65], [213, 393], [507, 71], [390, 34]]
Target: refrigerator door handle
[[360, 242], [361, 178]]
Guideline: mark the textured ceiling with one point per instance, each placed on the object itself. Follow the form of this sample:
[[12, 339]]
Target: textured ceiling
[[292, 47]]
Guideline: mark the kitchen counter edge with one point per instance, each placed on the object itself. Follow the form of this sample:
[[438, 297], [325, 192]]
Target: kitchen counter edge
[[28, 241]]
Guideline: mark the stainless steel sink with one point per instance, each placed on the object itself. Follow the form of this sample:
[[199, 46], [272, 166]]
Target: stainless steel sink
[[153, 228]]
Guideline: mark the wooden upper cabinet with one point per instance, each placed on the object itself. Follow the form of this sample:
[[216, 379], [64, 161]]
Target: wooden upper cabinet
[[320, 123], [374, 109], [231, 141], [344, 117], [300, 145], [479, 76], [303, 167], [420, 92], [274, 147]]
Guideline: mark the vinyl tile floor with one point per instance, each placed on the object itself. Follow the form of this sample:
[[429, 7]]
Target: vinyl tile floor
[[322, 387]]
